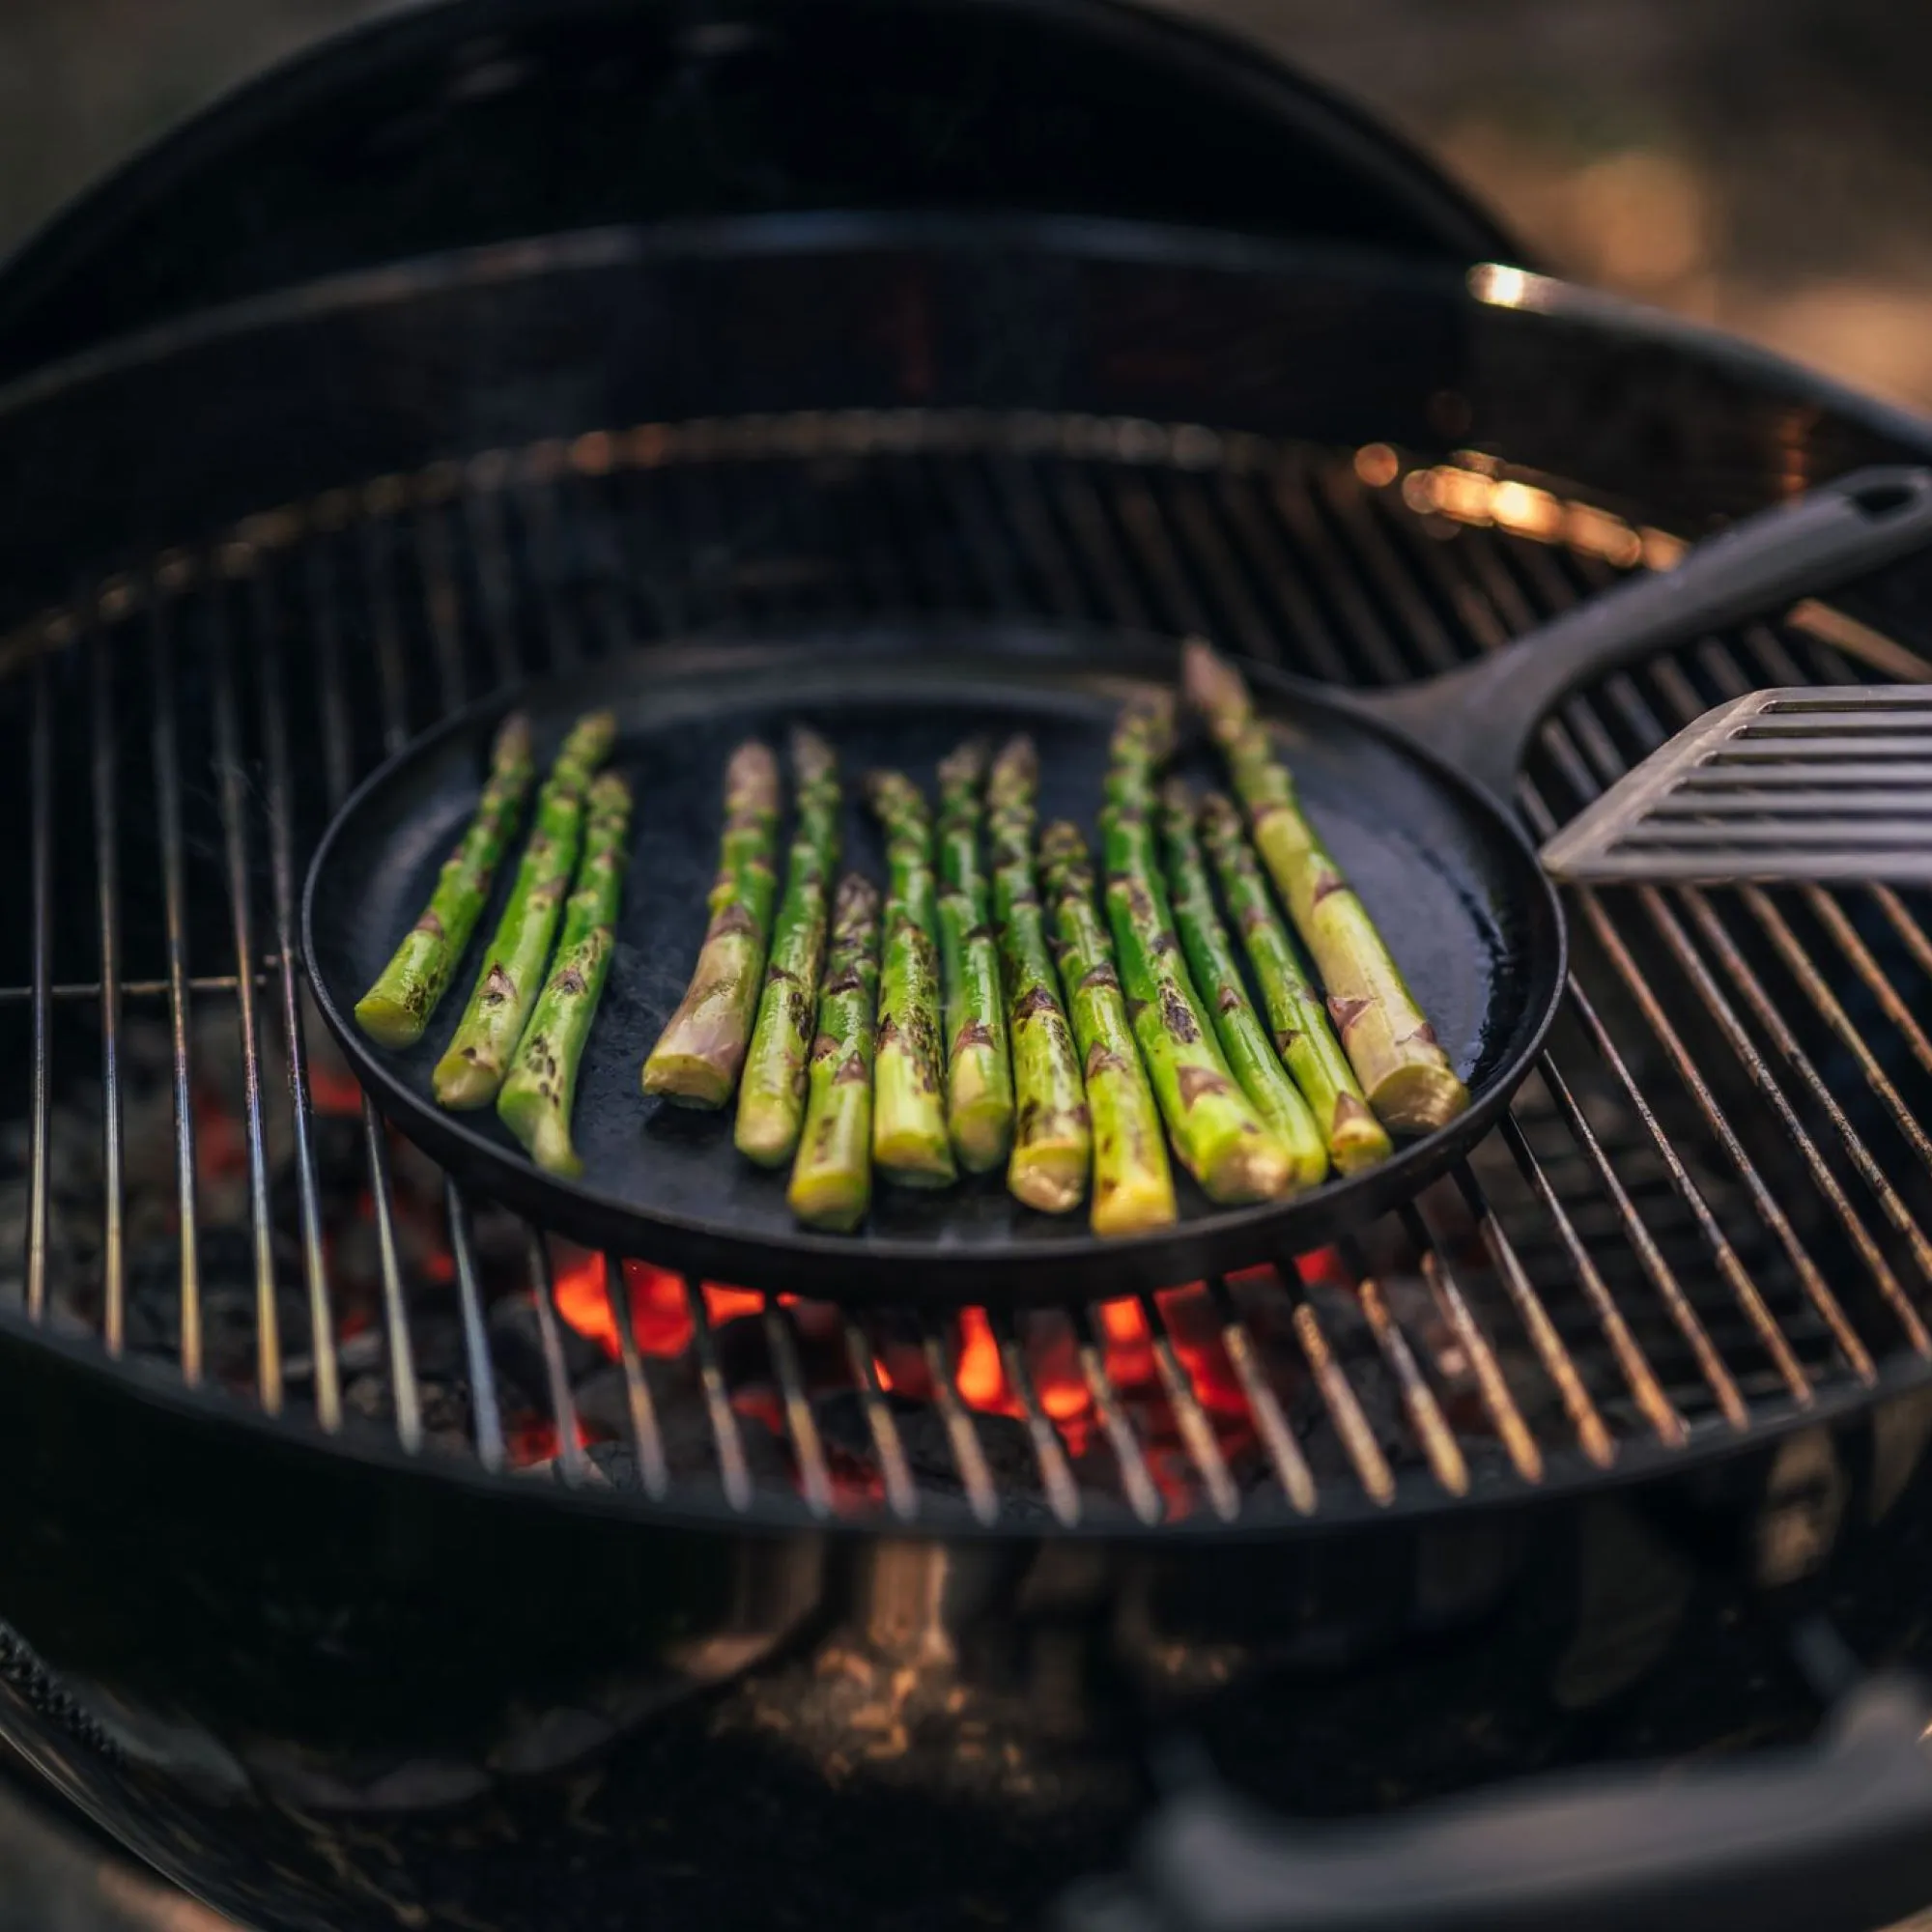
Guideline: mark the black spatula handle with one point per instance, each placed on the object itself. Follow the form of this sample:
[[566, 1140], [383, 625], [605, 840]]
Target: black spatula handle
[[1482, 716], [1837, 1838]]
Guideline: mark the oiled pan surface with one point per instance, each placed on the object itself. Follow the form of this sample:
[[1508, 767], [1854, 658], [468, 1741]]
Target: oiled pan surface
[[1453, 886]]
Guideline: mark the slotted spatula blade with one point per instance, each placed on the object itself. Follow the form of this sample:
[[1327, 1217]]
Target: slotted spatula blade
[[1797, 785]]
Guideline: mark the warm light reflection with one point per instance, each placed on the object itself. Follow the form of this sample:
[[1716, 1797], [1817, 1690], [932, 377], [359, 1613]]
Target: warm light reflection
[[1378, 465]]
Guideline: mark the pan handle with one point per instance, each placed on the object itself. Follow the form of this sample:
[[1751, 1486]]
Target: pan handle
[[1834, 1838], [1482, 715]]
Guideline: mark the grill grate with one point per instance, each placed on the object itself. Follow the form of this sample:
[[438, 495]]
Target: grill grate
[[1705, 1210]]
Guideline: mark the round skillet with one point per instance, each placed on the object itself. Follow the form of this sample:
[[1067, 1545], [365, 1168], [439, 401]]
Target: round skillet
[[1407, 786]]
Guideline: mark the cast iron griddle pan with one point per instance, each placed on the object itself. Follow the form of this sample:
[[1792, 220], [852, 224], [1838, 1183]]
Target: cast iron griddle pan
[[1407, 787]]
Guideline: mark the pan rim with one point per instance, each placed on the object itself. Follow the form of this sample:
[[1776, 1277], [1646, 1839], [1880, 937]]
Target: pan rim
[[835, 1267]]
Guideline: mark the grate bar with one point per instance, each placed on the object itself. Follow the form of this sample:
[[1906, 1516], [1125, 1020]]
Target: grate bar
[[484, 1412], [894, 1473], [1063, 1494], [174, 892], [734, 1472], [108, 875], [1136, 1478], [231, 782], [1339, 1398], [279, 803], [1196, 1432], [1437, 1440], [1284, 1452], [549, 1339], [646, 1438], [1638, 1375], [969, 1455], [814, 1477], [39, 1102], [408, 1397], [1439, 1277]]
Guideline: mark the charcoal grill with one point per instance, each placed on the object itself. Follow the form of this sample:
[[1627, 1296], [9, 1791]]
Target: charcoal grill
[[376, 1558]]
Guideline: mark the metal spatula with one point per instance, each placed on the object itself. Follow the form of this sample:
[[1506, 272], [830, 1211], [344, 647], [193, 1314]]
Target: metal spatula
[[1796, 786]]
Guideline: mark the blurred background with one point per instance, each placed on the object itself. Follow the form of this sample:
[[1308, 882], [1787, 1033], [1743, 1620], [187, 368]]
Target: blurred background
[[1764, 164]]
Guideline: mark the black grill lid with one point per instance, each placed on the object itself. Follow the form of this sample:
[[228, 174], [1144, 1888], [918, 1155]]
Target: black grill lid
[[455, 124]]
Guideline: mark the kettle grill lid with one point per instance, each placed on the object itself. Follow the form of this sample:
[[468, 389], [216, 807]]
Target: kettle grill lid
[[473, 122]]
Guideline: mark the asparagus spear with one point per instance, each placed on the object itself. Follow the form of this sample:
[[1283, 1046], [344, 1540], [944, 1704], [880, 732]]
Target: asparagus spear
[[1215, 971], [537, 1098], [1221, 1140], [1053, 1140], [396, 1009], [697, 1058], [909, 1143], [1302, 1034], [771, 1098], [979, 1062], [1133, 1188], [473, 1068], [832, 1177], [1404, 1074]]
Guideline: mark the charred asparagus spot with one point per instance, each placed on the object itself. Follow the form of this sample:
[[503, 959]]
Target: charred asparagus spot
[[541, 1089], [1219, 1137], [832, 1177], [1295, 1014], [1404, 1073], [771, 1097], [979, 1062], [1133, 1188], [396, 1009], [479, 1056], [697, 1058], [1216, 973], [1053, 1138], [909, 1140]]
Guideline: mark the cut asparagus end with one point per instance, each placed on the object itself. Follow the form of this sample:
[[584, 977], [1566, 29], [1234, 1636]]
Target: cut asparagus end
[[542, 1129], [913, 1156], [1051, 1173], [1256, 1169], [1418, 1099], [465, 1079], [979, 1117], [688, 1078], [1356, 1139], [388, 1022], [1132, 1203], [767, 1134], [834, 1198]]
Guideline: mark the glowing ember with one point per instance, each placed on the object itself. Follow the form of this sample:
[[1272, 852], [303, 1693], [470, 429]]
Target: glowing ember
[[332, 1091]]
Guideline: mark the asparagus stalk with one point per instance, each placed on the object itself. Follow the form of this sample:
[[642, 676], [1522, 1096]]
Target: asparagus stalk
[[771, 1098], [979, 1060], [909, 1142], [396, 1009], [473, 1068], [1302, 1034], [697, 1058], [1133, 1188], [541, 1089], [832, 1177], [1216, 972], [1221, 1140], [1404, 1074], [1053, 1139]]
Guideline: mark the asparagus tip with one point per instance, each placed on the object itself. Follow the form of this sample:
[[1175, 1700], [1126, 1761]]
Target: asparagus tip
[[608, 791], [512, 740], [1018, 762], [811, 758], [752, 777], [1213, 686], [965, 764], [856, 897]]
